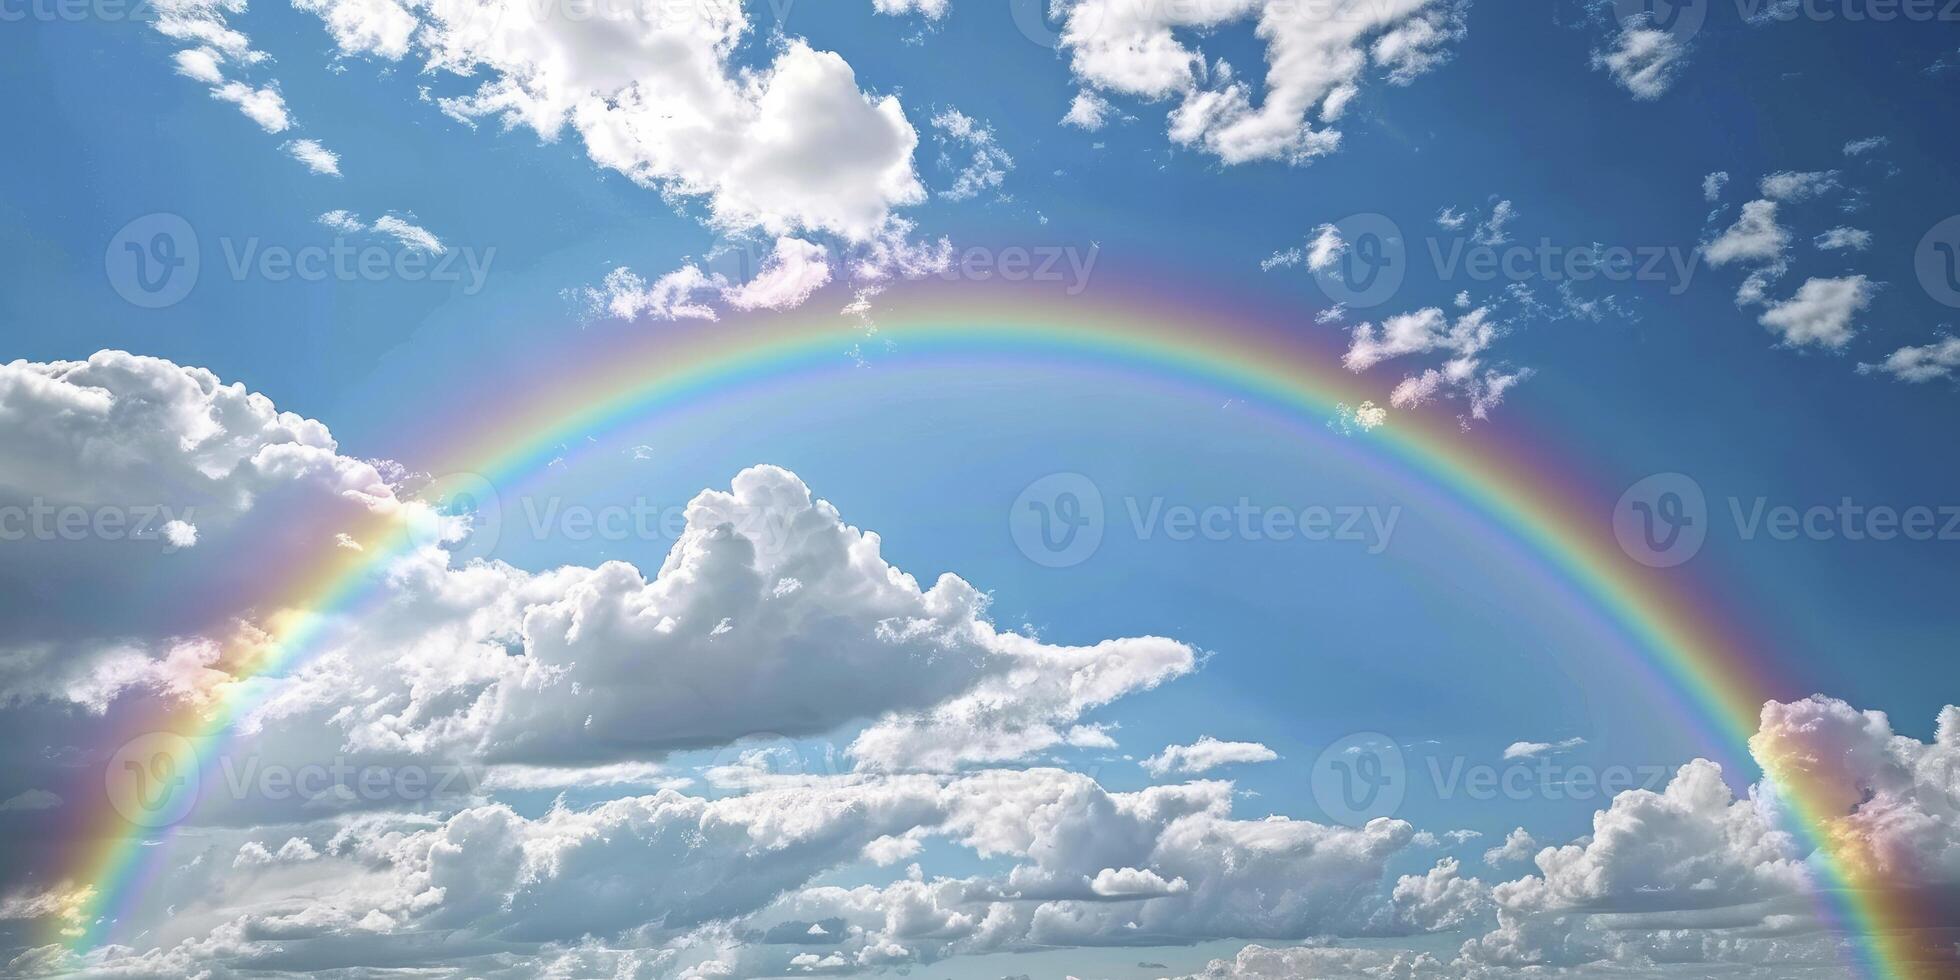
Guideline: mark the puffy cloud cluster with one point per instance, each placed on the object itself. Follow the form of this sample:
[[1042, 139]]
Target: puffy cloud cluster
[[654, 92], [771, 614], [1317, 58], [1823, 310]]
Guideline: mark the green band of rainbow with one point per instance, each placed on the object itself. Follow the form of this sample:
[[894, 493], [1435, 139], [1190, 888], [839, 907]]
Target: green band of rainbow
[[659, 369]]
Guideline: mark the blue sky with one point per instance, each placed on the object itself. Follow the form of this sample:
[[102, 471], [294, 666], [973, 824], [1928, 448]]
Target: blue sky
[[1779, 175]]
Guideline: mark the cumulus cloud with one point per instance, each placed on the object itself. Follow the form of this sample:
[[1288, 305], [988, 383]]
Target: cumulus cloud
[[1821, 311], [1713, 185], [1204, 755], [1315, 66], [1754, 238], [593, 682], [1087, 111], [794, 271], [1790, 185], [682, 294], [791, 147], [1642, 58], [264, 106], [1915, 365], [1517, 846], [1853, 239]]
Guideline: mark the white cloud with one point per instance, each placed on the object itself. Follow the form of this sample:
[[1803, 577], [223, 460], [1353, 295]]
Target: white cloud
[[1821, 311], [1792, 185], [1087, 111], [1713, 184], [1451, 218], [1490, 231], [344, 222], [1526, 750], [989, 164], [794, 271], [677, 295], [1324, 248], [411, 236], [1643, 59], [929, 9], [1425, 330], [1860, 147], [1517, 846], [1283, 259], [1841, 237], [1940, 359], [264, 106], [315, 157], [1755, 237], [29, 800], [1315, 65], [200, 64], [1204, 755]]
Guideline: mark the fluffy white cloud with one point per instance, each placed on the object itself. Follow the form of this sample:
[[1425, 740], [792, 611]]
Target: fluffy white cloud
[[314, 157], [1713, 185], [1755, 237], [1855, 239], [1643, 59], [264, 106], [678, 295], [1791, 185], [1821, 312], [1939, 359], [929, 9], [1315, 65], [1517, 846], [1204, 755], [794, 271], [788, 148], [1087, 111]]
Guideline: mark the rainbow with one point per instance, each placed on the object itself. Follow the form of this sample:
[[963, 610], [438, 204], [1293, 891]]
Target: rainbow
[[1516, 488]]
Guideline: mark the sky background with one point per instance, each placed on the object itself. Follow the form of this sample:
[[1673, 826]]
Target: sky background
[[1446, 642]]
